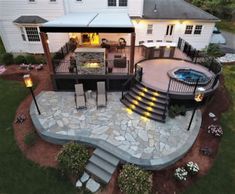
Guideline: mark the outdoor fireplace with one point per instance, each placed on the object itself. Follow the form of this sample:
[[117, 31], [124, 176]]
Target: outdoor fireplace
[[90, 60]]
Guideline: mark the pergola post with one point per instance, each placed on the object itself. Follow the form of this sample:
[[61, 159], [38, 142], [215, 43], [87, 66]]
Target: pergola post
[[132, 53], [47, 51]]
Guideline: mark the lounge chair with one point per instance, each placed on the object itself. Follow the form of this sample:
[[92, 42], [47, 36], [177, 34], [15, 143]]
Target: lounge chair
[[101, 95], [80, 98]]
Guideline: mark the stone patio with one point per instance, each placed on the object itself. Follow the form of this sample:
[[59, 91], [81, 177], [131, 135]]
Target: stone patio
[[130, 137]]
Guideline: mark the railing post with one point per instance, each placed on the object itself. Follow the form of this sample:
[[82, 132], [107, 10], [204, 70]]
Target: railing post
[[196, 85]]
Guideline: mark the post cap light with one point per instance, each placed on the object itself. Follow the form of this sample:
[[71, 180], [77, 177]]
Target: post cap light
[[28, 81], [199, 94]]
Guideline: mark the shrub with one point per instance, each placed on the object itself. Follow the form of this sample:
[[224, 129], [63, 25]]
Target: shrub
[[216, 130], [176, 110], [30, 59], [213, 50], [181, 174], [73, 158], [133, 180], [30, 139], [20, 59], [40, 60], [192, 168], [7, 58]]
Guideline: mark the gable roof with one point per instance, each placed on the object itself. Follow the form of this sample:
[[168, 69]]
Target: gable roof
[[29, 19], [174, 9]]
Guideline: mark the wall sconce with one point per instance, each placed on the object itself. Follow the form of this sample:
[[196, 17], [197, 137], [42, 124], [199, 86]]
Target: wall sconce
[[155, 8]]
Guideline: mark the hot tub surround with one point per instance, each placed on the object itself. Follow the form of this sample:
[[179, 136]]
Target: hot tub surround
[[189, 76]]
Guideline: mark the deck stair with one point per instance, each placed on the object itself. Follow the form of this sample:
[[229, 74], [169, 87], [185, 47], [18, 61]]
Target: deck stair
[[102, 165], [147, 102]]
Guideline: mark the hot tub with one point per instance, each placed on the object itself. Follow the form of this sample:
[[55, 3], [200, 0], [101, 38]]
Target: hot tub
[[189, 76]]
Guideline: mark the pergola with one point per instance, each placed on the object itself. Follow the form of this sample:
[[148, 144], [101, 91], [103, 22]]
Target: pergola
[[89, 23]]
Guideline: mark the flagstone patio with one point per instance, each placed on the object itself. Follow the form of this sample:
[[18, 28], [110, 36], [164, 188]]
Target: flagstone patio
[[127, 135]]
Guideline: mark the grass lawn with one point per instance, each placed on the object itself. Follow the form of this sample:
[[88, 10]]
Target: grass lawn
[[227, 26], [17, 174], [221, 178]]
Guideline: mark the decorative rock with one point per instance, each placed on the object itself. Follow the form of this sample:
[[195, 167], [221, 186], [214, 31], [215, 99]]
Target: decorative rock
[[92, 185], [212, 115], [78, 184], [120, 138], [143, 135], [84, 177], [60, 123]]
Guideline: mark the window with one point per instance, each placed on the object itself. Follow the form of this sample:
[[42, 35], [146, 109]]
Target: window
[[169, 30], [112, 3], [32, 34], [198, 29], [150, 29], [189, 29], [22, 33], [52, 0], [31, 1], [122, 3]]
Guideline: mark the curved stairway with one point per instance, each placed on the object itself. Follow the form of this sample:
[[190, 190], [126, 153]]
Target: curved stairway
[[147, 102]]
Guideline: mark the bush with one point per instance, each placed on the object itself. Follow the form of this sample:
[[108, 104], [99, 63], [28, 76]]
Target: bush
[[7, 58], [40, 60], [133, 180], [30, 139], [213, 50], [20, 59], [30, 59], [73, 158], [176, 110], [192, 168], [181, 174]]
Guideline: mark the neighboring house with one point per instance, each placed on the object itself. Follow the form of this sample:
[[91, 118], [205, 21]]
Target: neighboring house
[[154, 20]]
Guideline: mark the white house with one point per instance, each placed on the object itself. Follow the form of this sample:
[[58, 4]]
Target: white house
[[154, 20]]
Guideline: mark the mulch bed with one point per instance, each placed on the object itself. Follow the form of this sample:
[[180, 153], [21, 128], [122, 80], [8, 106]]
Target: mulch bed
[[44, 153]]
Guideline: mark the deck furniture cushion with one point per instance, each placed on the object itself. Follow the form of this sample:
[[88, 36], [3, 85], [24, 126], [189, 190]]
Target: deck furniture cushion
[[80, 98]]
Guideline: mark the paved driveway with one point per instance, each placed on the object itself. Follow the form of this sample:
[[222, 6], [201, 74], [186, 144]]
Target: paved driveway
[[230, 38]]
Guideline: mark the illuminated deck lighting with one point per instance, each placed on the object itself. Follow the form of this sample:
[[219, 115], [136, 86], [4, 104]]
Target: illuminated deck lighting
[[145, 89], [142, 93], [155, 93], [154, 99], [150, 109], [151, 103], [132, 106], [145, 119], [147, 114], [139, 98], [129, 111], [135, 102]]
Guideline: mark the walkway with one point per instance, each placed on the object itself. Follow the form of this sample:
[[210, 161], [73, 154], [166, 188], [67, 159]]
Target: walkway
[[129, 137]]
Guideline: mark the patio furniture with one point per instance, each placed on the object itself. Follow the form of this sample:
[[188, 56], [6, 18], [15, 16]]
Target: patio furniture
[[105, 44], [122, 44], [120, 62], [101, 95], [80, 98]]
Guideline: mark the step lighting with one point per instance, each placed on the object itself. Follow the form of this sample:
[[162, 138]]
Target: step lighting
[[142, 93], [135, 102], [150, 109], [132, 106], [145, 89], [129, 111], [139, 98], [145, 119], [147, 114], [155, 93], [151, 103], [154, 99]]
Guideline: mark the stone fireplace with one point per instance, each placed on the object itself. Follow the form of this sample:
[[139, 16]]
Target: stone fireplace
[[90, 60]]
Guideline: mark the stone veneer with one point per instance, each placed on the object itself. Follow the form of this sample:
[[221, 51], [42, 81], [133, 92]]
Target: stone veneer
[[90, 55]]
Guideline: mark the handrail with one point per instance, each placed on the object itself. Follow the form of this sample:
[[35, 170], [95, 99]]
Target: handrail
[[130, 80]]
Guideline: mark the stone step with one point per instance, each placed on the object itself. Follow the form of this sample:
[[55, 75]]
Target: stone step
[[106, 156], [98, 172], [103, 164]]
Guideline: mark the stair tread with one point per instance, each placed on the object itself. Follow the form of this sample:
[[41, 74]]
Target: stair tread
[[149, 97], [157, 103], [107, 156], [141, 112], [98, 172], [141, 85], [154, 110], [103, 164], [150, 90]]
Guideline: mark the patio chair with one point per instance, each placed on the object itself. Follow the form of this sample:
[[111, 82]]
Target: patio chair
[[104, 43], [80, 97], [122, 44], [101, 95]]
